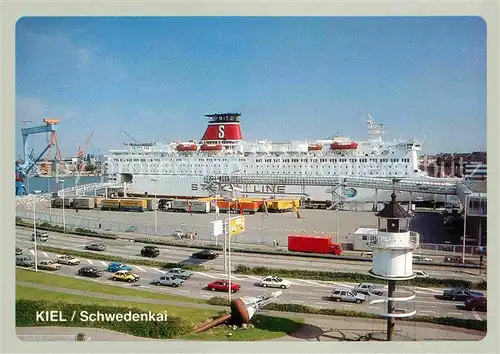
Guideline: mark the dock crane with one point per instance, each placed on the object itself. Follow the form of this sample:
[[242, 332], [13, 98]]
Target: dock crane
[[134, 140], [81, 158], [24, 166]]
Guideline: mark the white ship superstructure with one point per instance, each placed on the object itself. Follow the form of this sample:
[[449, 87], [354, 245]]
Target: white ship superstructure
[[176, 169]]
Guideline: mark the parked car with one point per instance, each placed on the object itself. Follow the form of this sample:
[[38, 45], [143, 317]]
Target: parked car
[[168, 280], [347, 295], [421, 258], [117, 266], [125, 275], [150, 251], [274, 282], [366, 288], [24, 261], [68, 259], [421, 274], [91, 272], [178, 273], [49, 265], [448, 259], [40, 236], [205, 254], [96, 247], [19, 251], [476, 303], [223, 285], [460, 294]]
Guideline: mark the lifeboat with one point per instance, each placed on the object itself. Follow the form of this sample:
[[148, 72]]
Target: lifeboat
[[186, 147], [315, 147], [344, 145], [206, 147]]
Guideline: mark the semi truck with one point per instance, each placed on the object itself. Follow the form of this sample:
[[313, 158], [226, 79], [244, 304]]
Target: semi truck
[[313, 244]]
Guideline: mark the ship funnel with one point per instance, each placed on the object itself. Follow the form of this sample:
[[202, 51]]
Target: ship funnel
[[223, 127]]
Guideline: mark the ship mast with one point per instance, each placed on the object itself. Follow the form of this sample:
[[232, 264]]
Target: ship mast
[[375, 130]]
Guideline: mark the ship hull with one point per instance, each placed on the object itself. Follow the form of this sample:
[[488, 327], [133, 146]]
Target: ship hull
[[192, 186]]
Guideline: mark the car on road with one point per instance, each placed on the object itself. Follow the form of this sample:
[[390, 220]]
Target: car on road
[[223, 285], [150, 251], [421, 274], [460, 294], [168, 280], [476, 303], [347, 295], [24, 261], [205, 254], [366, 288], [274, 282], [117, 266], [91, 272], [421, 258], [49, 265], [19, 251], [448, 259], [40, 236], [179, 273], [68, 259], [178, 234], [125, 275], [96, 247]]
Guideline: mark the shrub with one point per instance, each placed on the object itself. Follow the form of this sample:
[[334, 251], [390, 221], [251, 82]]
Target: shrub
[[482, 285], [26, 316]]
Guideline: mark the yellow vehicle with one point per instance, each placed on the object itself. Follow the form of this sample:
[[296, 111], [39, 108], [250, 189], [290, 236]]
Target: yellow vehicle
[[125, 275]]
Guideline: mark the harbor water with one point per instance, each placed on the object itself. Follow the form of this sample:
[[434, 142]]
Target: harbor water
[[54, 184]]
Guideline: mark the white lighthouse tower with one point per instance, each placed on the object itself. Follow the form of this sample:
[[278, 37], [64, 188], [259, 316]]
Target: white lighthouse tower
[[393, 247]]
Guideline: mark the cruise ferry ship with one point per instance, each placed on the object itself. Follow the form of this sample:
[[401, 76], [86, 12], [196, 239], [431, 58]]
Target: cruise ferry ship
[[176, 169]]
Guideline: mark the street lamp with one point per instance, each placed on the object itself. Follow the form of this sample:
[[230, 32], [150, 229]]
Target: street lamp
[[230, 201], [34, 231], [155, 207], [466, 206], [64, 215]]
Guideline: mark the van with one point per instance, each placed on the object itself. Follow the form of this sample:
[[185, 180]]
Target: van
[[40, 236], [24, 261]]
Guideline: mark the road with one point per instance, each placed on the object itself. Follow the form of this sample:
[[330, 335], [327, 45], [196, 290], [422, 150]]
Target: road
[[179, 254], [306, 292]]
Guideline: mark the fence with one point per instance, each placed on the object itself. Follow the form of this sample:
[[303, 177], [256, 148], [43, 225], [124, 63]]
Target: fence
[[251, 236]]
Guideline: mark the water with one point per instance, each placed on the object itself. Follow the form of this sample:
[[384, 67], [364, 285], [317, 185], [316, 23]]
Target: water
[[53, 184]]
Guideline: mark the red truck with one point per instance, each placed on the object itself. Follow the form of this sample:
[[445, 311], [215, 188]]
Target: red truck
[[313, 244]]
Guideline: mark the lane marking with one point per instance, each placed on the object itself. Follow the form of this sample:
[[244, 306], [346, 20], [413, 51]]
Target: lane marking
[[455, 313], [206, 275], [45, 254], [430, 311], [104, 263], [321, 303], [431, 290], [159, 270], [296, 301], [32, 252], [313, 283], [232, 276], [184, 290], [141, 269], [373, 307], [89, 261], [476, 316], [347, 305], [252, 277]]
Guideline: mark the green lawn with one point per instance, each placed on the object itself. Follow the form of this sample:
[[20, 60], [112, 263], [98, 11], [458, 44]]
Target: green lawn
[[83, 284], [194, 314], [265, 327]]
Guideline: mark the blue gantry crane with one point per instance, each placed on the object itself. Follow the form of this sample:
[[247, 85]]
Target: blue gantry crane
[[24, 166]]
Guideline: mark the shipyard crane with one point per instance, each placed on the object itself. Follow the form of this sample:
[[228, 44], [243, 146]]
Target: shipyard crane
[[80, 165], [134, 140], [24, 166]]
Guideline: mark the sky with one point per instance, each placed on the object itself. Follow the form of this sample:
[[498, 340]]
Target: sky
[[290, 78]]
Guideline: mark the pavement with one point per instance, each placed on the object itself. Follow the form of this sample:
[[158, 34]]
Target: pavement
[[315, 327], [259, 230], [302, 291]]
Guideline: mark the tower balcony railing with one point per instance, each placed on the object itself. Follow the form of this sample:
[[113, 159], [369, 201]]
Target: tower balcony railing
[[410, 239]]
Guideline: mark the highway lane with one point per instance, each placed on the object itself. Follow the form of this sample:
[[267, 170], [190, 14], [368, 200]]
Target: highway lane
[[305, 292], [179, 254]]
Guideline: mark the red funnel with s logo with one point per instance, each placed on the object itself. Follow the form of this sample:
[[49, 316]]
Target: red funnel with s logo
[[223, 127]]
